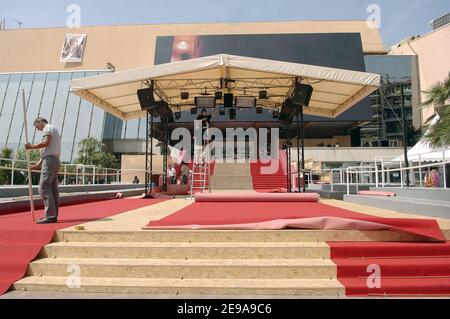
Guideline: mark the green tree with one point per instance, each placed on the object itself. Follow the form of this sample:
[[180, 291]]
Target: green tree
[[5, 174], [92, 152], [87, 149], [439, 96], [21, 176]]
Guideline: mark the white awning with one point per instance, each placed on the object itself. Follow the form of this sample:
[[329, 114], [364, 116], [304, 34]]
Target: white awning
[[335, 90], [423, 150]]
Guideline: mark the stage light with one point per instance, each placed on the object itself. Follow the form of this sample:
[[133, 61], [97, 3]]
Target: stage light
[[205, 101], [193, 110], [218, 95], [259, 109], [275, 113], [184, 95], [232, 113], [177, 115], [245, 101], [222, 110], [263, 95]]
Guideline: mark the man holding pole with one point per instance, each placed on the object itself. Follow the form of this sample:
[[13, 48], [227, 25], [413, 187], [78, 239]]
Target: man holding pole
[[50, 149]]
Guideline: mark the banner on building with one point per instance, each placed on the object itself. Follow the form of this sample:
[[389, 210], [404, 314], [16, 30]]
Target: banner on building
[[73, 48]]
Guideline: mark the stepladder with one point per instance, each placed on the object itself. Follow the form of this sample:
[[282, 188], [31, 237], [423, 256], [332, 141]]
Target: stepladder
[[201, 164]]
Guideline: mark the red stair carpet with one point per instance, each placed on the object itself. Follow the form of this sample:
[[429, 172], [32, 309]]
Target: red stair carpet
[[406, 269], [262, 181], [252, 215], [21, 239]]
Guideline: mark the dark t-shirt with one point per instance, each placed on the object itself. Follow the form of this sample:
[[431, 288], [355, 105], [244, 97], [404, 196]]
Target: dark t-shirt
[[205, 119]]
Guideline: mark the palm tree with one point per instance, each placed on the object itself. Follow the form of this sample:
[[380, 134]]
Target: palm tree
[[439, 97]]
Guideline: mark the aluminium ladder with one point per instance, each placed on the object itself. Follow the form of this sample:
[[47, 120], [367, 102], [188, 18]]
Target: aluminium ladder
[[201, 170]]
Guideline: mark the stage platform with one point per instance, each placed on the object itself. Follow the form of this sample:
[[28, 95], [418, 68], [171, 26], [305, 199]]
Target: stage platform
[[116, 255]]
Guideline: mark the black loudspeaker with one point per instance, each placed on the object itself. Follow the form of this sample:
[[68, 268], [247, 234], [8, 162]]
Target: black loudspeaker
[[228, 100], [232, 113], [146, 99], [163, 110], [302, 94], [263, 95], [288, 109]]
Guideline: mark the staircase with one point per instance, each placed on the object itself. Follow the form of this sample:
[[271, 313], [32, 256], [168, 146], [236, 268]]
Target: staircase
[[405, 269], [231, 176], [186, 262]]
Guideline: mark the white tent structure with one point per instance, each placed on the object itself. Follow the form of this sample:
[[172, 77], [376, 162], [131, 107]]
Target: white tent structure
[[335, 90], [424, 152]]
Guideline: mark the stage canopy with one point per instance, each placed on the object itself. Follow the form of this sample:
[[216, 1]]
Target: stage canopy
[[335, 90]]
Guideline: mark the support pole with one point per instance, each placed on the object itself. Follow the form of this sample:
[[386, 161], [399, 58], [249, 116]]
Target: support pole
[[25, 127], [298, 155], [148, 153], [151, 152], [302, 132], [405, 135]]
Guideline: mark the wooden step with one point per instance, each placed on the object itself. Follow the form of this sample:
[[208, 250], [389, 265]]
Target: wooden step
[[287, 287], [190, 268], [197, 250]]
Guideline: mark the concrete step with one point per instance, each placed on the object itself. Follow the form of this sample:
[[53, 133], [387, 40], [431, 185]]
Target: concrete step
[[199, 250], [190, 268], [416, 206], [231, 236], [426, 193], [232, 169], [294, 287], [232, 176]]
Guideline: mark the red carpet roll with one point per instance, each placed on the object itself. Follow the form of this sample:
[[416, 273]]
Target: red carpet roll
[[256, 197]]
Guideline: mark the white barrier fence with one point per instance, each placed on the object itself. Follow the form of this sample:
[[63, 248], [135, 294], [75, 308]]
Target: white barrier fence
[[74, 174], [403, 172]]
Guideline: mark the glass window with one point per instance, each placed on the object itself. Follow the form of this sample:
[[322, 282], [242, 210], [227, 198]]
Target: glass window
[[33, 102], [47, 97], [8, 107], [132, 129], [16, 126], [69, 123]]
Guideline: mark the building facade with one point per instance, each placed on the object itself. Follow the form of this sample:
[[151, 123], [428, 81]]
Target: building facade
[[31, 60]]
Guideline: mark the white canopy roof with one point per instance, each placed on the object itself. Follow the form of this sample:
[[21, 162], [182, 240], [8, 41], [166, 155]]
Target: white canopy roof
[[335, 90], [425, 151]]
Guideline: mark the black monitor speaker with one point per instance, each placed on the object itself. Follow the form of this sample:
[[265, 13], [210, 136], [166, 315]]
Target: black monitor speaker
[[146, 99], [302, 94], [228, 100]]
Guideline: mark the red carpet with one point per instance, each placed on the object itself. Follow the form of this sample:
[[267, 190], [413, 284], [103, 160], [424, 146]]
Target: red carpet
[[203, 214], [265, 181], [256, 197], [406, 269], [21, 239]]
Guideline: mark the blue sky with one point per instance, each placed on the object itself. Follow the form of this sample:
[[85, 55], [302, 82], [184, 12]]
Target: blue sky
[[399, 18]]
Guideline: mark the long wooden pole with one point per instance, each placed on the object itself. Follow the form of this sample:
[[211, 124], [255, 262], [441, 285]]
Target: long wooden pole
[[25, 127]]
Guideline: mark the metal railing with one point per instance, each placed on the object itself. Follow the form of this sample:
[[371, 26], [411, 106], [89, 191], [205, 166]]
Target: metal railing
[[420, 166], [403, 171], [72, 174]]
